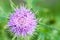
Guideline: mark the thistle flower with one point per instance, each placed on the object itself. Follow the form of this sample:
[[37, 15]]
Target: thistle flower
[[22, 22]]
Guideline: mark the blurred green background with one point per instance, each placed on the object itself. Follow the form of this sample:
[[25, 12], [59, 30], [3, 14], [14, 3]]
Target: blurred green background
[[47, 13]]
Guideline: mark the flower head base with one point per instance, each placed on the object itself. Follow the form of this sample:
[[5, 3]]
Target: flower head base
[[22, 22]]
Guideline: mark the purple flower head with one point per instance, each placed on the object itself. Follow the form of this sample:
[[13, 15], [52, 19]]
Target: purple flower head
[[22, 22]]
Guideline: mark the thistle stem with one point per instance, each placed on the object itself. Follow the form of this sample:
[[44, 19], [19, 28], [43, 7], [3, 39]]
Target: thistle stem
[[14, 38]]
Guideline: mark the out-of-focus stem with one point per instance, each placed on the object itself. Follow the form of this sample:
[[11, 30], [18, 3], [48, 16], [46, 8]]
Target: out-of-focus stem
[[14, 38]]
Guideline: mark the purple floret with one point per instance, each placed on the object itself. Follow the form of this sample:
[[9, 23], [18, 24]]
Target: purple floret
[[22, 22]]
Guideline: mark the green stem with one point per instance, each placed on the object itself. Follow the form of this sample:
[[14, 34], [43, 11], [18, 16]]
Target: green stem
[[27, 38], [14, 38]]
